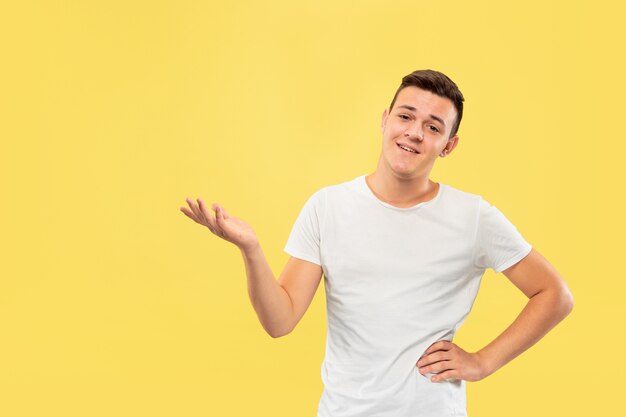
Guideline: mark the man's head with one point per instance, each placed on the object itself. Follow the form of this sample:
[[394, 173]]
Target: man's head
[[421, 125], [437, 83]]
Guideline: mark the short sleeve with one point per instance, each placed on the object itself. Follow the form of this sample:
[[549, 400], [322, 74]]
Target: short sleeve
[[499, 245], [304, 240]]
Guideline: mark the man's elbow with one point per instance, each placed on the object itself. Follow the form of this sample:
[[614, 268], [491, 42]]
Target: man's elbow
[[565, 301], [568, 301], [275, 333]]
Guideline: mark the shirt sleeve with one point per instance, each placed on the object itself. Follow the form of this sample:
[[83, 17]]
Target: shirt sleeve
[[499, 245], [304, 240]]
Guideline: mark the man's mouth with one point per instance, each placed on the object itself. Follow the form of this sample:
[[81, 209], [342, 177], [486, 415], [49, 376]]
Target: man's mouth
[[407, 149]]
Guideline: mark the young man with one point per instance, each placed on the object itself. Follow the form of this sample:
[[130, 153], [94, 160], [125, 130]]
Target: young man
[[402, 258]]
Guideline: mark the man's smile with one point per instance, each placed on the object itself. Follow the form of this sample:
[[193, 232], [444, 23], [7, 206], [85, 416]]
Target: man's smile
[[407, 148]]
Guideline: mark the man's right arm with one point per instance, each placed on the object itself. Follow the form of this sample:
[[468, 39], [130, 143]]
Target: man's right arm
[[280, 304]]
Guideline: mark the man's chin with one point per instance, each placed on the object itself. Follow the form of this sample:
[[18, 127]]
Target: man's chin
[[405, 175]]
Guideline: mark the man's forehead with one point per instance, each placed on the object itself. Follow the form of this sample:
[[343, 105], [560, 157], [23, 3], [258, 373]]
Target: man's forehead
[[415, 99]]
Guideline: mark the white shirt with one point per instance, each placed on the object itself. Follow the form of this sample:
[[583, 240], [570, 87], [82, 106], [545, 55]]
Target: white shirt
[[397, 280]]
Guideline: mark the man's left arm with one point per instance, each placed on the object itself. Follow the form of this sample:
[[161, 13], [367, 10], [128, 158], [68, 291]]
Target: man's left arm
[[550, 301]]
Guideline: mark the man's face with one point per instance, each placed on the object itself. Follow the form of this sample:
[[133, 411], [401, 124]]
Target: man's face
[[422, 121]]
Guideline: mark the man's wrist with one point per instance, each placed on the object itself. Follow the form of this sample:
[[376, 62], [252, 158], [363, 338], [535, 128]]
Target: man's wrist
[[486, 363], [251, 250]]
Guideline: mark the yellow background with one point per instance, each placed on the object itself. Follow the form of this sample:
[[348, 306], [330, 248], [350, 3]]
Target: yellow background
[[112, 302]]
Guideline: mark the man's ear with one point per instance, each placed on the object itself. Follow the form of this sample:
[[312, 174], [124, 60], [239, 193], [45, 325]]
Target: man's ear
[[450, 145], [383, 121]]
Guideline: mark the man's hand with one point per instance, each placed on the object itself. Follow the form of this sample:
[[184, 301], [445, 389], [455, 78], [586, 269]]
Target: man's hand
[[222, 224], [450, 362]]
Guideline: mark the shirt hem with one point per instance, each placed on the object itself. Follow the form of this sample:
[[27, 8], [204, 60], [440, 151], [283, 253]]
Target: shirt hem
[[515, 259], [302, 256]]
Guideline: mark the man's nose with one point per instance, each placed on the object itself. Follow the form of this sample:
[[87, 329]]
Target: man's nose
[[415, 131]]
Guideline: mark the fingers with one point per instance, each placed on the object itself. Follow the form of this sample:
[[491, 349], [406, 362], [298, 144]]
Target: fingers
[[449, 374], [205, 213], [224, 213], [431, 358], [219, 217], [194, 213], [437, 368], [201, 215], [212, 219], [435, 347], [212, 223], [189, 214], [196, 209]]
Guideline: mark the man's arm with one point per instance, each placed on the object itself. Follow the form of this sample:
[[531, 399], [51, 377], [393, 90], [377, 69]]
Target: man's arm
[[280, 304], [550, 301]]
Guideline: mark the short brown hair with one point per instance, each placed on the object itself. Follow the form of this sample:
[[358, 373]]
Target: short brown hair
[[437, 83]]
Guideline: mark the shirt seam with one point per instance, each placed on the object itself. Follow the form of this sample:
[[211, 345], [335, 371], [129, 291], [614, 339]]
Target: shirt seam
[[476, 232], [322, 223], [512, 260], [301, 255], [412, 209]]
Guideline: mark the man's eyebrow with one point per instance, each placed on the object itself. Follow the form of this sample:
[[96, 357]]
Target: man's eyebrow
[[437, 118]]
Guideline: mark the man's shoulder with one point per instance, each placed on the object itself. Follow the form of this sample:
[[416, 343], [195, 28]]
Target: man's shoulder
[[458, 195], [334, 191], [342, 186], [457, 206]]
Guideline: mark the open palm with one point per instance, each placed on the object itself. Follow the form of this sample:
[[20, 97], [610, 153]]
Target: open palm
[[221, 223]]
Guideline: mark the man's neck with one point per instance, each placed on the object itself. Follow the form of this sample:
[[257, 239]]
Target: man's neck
[[401, 192]]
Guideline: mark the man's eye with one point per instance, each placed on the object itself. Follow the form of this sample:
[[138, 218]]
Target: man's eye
[[434, 129], [404, 116]]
